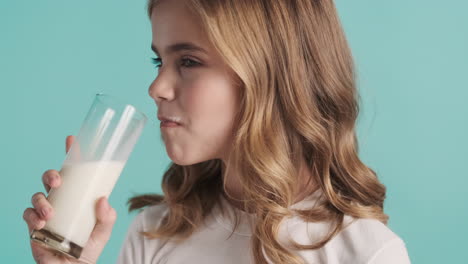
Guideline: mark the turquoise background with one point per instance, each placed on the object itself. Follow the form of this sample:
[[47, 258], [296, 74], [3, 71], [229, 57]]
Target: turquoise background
[[412, 63]]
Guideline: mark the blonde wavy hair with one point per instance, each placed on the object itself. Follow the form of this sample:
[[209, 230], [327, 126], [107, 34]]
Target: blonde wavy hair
[[299, 102]]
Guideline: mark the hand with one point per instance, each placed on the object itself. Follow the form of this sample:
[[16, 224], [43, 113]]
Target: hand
[[37, 216]]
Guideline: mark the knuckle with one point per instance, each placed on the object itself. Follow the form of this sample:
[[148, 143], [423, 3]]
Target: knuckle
[[112, 215], [110, 218]]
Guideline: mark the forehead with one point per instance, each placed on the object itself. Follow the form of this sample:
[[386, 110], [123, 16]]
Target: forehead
[[172, 22]]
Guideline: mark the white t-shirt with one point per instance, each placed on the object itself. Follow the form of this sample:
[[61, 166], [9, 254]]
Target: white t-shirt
[[363, 241]]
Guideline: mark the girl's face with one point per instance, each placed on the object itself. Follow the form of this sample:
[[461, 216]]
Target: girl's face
[[192, 84]]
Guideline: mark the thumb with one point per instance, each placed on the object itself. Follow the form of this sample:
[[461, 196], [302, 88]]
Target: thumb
[[105, 216], [105, 219]]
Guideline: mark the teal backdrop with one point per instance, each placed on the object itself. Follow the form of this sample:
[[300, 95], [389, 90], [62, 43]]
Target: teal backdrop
[[412, 61]]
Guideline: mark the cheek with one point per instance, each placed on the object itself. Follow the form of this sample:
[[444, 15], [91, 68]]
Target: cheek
[[211, 104]]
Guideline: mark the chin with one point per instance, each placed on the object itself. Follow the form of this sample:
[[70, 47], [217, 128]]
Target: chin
[[186, 161], [182, 163], [179, 158], [184, 157]]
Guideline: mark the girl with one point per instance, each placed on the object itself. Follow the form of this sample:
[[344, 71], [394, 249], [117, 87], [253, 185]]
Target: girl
[[258, 105]]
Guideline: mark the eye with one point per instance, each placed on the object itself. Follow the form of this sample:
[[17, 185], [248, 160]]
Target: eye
[[185, 62], [188, 63]]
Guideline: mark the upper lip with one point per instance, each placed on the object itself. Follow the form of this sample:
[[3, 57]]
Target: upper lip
[[169, 118]]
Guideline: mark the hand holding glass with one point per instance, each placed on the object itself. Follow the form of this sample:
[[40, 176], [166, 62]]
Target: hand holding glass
[[90, 171]]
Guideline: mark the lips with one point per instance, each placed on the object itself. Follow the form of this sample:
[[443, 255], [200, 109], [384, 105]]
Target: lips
[[169, 121], [169, 124]]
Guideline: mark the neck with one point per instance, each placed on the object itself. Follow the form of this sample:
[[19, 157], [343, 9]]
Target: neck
[[235, 196]]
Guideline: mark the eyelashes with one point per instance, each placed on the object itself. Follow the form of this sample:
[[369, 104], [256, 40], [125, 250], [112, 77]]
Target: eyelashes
[[157, 62], [184, 62]]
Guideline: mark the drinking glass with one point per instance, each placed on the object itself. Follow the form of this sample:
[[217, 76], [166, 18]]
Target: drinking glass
[[90, 170]]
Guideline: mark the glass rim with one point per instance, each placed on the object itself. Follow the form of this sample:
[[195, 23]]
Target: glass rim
[[103, 97]]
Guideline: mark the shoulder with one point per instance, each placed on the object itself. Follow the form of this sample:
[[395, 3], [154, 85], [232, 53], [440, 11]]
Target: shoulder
[[369, 238], [136, 248], [362, 240], [366, 231], [149, 217]]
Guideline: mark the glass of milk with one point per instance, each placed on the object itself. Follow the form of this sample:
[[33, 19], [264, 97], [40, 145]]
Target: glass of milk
[[90, 170]]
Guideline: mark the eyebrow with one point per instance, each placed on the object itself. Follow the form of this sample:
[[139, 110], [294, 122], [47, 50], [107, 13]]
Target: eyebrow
[[183, 46]]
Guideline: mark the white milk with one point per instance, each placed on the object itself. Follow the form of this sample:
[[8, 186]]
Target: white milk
[[74, 202]]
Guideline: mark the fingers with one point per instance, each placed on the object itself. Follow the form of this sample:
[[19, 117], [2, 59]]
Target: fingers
[[42, 254], [71, 142], [68, 142], [51, 179], [42, 206], [33, 220]]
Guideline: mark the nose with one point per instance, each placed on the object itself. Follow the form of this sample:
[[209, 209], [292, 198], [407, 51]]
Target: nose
[[162, 88]]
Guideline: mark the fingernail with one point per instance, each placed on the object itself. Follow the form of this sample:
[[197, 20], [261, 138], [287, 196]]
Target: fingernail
[[54, 180]]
